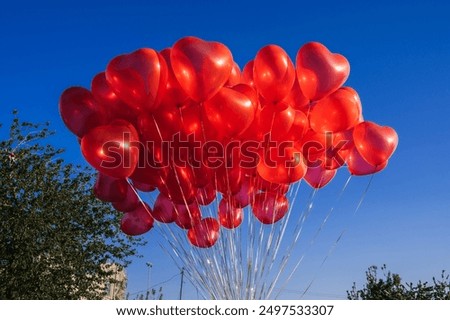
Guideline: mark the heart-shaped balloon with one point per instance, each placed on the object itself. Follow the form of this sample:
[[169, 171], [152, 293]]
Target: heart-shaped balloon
[[138, 221], [205, 233], [139, 78], [269, 207], [235, 76], [206, 195], [338, 111], [112, 149], [318, 177], [273, 73], [142, 186], [282, 164], [174, 94], [178, 185], [163, 209], [201, 67], [267, 186], [79, 110], [375, 143], [319, 71], [110, 189], [360, 167], [229, 110], [130, 202], [243, 197], [229, 215], [187, 215], [274, 122], [109, 102], [296, 98], [247, 74]]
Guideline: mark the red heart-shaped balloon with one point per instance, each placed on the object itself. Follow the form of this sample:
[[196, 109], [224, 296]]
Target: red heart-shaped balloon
[[187, 215], [230, 111], [206, 195], [296, 98], [359, 167], [174, 95], [138, 221], [270, 207], [130, 202], [205, 233], [201, 67], [282, 164], [243, 197], [235, 76], [109, 102], [318, 177], [247, 74], [273, 73], [110, 189], [266, 186], [375, 143], [338, 111], [164, 209], [112, 149], [319, 71], [229, 215], [139, 78], [79, 110]]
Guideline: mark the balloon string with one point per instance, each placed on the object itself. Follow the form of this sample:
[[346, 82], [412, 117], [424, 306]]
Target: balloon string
[[334, 245], [297, 233]]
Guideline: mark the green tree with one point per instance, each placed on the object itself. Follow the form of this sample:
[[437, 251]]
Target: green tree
[[391, 287], [55, 237]]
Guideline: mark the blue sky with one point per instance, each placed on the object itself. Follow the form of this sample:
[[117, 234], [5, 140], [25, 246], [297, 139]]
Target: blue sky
[[399, 56]]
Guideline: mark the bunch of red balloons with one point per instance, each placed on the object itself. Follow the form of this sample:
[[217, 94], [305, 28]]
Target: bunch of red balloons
[[188, 122]]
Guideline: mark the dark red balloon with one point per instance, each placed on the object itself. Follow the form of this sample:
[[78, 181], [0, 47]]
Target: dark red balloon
[[164, 209], [130, 202], [112, 149], [201, 67], [242, 198], [142, 186], [139, 78], [206, 195], [138, 221], [319, 71], [230, 216], [273, 73], [375, 143], [187, 215], [110, 189], [269, 207], [178, 185], [79, 110], [205, 233]]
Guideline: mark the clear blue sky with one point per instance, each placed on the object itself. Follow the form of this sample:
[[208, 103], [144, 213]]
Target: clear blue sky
[[399, 54]]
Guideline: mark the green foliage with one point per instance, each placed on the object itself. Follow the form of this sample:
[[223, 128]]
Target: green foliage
[[55, 236], [391, 287]]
